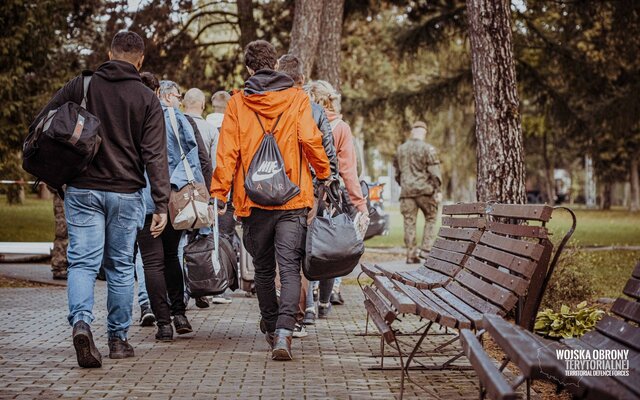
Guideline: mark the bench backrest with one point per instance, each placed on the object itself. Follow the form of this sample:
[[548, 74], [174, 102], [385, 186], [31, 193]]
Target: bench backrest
[[507, 269], [462, 227]]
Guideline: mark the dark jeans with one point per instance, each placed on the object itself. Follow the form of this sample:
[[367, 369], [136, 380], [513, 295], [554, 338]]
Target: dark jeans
[[270, 237], [162, 271]]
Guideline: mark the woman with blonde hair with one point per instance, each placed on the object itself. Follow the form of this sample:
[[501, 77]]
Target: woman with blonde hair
[[324, 94]]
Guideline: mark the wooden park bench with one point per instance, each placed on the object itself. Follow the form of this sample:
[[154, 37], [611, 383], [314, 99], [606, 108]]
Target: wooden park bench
[[536, 357], [507, 270], [462, 227]]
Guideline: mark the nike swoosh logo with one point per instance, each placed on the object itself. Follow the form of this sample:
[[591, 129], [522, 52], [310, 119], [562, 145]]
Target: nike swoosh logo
[[257, 176]]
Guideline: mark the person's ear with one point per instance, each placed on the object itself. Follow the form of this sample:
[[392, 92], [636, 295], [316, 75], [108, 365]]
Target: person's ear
[[139, 63], [277, 67], [251, 72], [110, 55]]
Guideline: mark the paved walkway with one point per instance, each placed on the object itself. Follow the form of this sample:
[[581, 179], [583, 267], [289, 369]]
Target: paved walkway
[[226, 357]]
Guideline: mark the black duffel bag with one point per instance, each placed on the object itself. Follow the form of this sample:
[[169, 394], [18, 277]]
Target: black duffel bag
[[333, 248], [63, 142]]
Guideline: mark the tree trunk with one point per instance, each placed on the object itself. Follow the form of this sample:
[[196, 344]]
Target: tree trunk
[[246, 22], [328, 64], [501, 169], [605, 195], [550, 182], [635, 184], [305, 32]]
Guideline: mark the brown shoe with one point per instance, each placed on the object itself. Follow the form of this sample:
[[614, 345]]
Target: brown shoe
[[86, 352], [282, 345], [119, 348], [413, 260]]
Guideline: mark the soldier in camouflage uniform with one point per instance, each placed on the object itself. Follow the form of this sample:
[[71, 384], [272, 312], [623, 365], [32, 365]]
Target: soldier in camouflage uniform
[[59, 253], [418, 174]]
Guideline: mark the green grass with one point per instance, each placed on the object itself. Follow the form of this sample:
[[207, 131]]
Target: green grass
[[594, 228], [31, 222], [609, 270]]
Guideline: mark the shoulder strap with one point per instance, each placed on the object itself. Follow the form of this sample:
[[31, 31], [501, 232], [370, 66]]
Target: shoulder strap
[[183, 157], [85, 89]]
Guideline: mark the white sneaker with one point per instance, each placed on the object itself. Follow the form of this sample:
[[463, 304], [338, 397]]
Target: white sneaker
[[299, 331], [221, 299]]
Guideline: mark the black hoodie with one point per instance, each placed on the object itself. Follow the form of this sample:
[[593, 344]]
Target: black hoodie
[[132, 131]]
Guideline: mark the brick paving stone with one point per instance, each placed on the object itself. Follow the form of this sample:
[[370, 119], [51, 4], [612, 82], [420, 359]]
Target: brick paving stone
[[225, 358]]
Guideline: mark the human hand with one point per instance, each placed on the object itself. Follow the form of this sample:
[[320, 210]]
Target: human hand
[[158, 223]]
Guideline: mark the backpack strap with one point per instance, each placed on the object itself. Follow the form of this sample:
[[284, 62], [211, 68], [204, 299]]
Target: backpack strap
[[85, 89], [274, 126]]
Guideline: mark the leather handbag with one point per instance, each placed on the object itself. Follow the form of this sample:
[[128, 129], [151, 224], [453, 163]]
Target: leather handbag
[[188, 206]]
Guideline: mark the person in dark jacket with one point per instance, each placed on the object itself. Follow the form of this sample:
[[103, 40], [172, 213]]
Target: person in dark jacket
[[293, 67], [103, 205]]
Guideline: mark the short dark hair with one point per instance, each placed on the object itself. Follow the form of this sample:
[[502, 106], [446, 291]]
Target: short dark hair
[[150, 80], [127, 42], [292, 66], [260, 54]]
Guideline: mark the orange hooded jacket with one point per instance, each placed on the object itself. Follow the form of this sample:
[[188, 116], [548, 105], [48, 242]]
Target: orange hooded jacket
[[269, 94]]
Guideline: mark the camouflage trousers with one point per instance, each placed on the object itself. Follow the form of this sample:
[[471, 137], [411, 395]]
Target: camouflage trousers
[[59, 254], [409, 207]]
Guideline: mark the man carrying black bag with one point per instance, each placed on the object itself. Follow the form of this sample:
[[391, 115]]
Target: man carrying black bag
[[268, 138]]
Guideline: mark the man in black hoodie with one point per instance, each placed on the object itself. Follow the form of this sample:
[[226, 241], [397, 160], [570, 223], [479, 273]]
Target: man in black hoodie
[[104, 205]]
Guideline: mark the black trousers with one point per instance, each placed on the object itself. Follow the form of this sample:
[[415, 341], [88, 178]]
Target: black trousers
[[270, 237], [162, 271]]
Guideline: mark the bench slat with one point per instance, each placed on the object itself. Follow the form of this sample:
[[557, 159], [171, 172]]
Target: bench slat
[[383, 309], [521, 211], [516, 246], [460, 321], [426, 309], [504, 279], [620, 331], [444, 267], [473, 300], [632, 288], [469, 234], [628, 310], [464, 208], [454, 245], [636, 271], [472, 222], [471, 313], [491, 293], [371, 270], [423, 279], [490, 377], [382, 326], [400, 301], [517, 264], [537, 232], [448, 256]]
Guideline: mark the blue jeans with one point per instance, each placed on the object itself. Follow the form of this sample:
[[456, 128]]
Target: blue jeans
[[143, 296], [102, 230]]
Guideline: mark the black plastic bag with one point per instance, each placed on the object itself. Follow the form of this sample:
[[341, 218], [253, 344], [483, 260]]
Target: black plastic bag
[[266, 181], [333, 248]]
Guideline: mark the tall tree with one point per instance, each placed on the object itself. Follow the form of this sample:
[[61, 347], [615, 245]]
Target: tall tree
[[329, 49], [305, 33], [246, 22], [501, 168]]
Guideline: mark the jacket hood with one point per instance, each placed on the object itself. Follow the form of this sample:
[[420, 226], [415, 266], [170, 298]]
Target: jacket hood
[[116, 70], [269, 93]]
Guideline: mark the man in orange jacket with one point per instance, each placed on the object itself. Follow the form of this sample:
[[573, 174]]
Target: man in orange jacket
[[271, 233]]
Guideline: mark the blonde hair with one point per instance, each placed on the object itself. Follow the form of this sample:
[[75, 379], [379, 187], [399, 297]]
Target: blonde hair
[[324, 94]]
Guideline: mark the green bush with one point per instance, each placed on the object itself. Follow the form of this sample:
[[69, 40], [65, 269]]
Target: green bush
[[568, 284], [567, 323]]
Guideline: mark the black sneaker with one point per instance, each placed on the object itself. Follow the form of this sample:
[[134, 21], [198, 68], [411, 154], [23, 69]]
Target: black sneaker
[[336, 298], [202, 302], [147, 318], [309, 317], [86, 352], [182, 324], [165, 333], [324, 310], [119, 348]]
